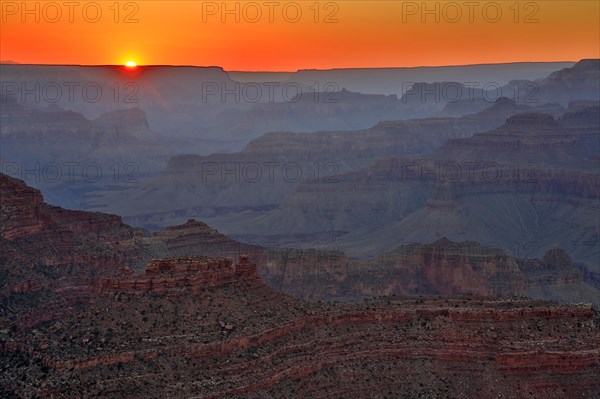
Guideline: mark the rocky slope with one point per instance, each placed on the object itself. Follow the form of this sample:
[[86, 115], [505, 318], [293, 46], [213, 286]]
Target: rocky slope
[[42, 242], [173, 276], [52, 259], [252, 342]]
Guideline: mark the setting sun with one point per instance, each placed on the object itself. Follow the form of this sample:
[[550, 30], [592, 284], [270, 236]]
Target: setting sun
[[130, 64]]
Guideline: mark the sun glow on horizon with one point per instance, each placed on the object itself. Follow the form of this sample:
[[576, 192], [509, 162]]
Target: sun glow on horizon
[[350, 34]]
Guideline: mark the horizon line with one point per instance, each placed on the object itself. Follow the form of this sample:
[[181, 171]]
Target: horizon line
[[8, 62]]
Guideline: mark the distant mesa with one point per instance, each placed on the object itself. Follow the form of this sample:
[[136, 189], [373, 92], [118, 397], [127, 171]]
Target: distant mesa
[[588, 64], [191, 223], [198, 238], [557, 258], [127, 117], [532, 119], [504, 102]]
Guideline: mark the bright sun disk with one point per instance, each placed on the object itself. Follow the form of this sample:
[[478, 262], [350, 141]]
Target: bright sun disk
[[130, 64]]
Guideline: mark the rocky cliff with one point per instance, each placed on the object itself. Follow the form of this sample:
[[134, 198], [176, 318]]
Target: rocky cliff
[[570, 141], [182, 275], [443, 268], [52, 259]]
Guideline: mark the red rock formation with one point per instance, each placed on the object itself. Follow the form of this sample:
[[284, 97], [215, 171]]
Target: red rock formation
[[197, 238], [440, 268], [182, 275], [19, 209], [252, 342]]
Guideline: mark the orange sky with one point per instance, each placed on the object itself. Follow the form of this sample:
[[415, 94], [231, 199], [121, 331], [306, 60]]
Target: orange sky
[[343, 34]]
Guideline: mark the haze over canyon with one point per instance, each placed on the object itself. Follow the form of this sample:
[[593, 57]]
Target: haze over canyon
[[194, 232]]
